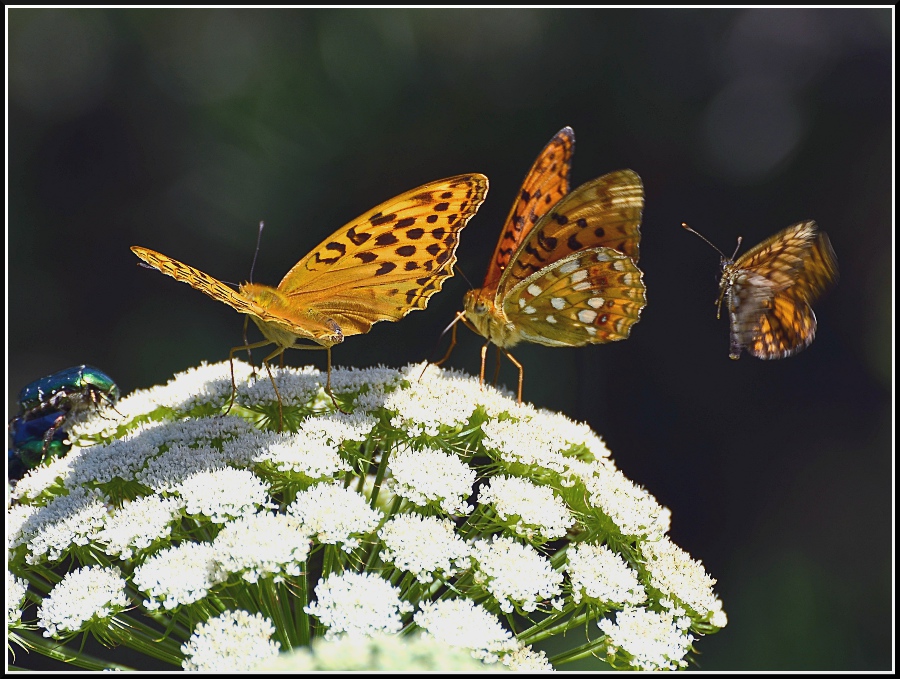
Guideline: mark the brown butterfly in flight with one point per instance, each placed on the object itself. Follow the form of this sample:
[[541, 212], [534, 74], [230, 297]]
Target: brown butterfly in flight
[[378, 267], [564, 273], [770, 288]]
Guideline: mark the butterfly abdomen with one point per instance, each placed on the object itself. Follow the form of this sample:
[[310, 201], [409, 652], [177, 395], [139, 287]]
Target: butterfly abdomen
[[284, 323]]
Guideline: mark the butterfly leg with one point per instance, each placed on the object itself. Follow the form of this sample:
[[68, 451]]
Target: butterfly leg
[[328, 379], [246, 344], [328, 385], [483, 356], [247, 348], [278, 352], [518, 365], [460, 315]]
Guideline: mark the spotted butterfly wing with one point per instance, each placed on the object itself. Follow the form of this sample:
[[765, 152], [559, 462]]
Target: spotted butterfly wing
[[601, 220], [565, 270], [545, 185], [273, 318], [380, 266], [604, 212], [770, 288], [390, 260], [588, 297]]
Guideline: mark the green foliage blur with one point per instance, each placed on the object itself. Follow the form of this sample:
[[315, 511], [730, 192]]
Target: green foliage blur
[[179, 130]]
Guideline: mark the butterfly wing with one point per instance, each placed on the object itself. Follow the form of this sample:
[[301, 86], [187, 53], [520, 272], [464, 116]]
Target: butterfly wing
[[604, 212], [770, 289], [788, 326], [781, 257], [391, 259], [545, 184], [221, 292], [199, 281], [820, 270], [588, 297]]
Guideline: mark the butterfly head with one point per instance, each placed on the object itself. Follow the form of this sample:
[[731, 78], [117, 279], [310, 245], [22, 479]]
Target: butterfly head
[[476, 304], [488, 319], [725, 263]]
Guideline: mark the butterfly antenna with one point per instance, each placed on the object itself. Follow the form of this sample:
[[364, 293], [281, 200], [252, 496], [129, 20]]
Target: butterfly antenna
[[256, 253], [471, 287], [696, 233], [737, 247]]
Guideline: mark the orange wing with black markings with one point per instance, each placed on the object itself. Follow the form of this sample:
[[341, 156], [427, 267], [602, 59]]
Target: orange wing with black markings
[[545, 185], [380, 266], [770, 288]]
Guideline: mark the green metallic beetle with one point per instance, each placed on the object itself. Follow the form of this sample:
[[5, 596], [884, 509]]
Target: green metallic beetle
[[47, 407]]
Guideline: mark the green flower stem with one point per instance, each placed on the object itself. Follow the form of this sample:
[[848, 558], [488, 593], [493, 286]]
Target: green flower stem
[[275, 603], [166, 649], [301, 617], [551, 625], [558, 559], [477, 523], [379, 475], [329, 558], [51, 649], [590, 648], [42, 578], [365, 461], [171, 625]]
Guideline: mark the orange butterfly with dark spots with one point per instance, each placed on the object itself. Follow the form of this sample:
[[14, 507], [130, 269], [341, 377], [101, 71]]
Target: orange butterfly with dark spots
[[378, 267], [770, 288], [564, 272]]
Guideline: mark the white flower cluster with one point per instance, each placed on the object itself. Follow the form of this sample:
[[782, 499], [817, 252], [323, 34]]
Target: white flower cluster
[[358, 604], [424, 546], [634, 511], [461, 622], [676, 574], [378, 653], [650, 640], [524, 448], [262, 545], [541, 514], [83, 595], [312, 450], [203, 385], [16, 588], [138, 524], [296, 386], [436, 399], [67, 521], [234, 641], [473, 492], [431, 476], [515, 574], [178, 575], [601, 575], [223, 494], [333, 514]]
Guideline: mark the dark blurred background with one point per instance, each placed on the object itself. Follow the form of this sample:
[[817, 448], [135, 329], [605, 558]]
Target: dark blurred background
[[179, 130]]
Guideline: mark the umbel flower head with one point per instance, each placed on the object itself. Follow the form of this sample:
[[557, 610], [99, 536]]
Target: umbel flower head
[[432, 511]]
